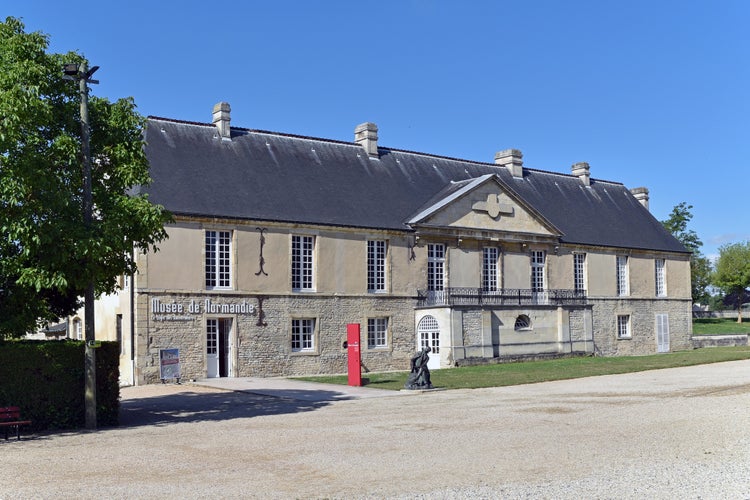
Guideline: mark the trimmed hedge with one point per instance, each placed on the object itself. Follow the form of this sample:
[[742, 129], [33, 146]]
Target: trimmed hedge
[[46, 380]]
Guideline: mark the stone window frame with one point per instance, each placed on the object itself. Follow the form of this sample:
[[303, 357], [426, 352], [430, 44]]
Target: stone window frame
[[523, 323], [303, 327], [624, 329], [378, 335], [377, 255]]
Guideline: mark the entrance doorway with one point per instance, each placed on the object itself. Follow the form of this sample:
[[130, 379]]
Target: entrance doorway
[[428, 335], [218, 347]]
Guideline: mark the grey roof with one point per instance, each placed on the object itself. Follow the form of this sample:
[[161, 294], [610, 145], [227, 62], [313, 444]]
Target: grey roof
[[280, 177]]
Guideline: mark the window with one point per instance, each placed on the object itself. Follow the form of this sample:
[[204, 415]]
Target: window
[[212, 336], [523, 323], [303, 335], [537, 271], [622, 275], [377, 332], [217, 259], [489, 269], [435, 267], [302, 262], [623, 326], [661, 283], [77, 329], [579, 279], [376, 250]]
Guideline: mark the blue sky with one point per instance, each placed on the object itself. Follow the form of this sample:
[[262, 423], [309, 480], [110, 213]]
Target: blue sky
[[649, 93]]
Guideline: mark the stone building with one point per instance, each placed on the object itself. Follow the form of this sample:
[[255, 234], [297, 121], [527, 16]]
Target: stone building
[[279, 241]]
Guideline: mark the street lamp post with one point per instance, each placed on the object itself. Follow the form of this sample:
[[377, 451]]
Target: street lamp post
[[82, 74]]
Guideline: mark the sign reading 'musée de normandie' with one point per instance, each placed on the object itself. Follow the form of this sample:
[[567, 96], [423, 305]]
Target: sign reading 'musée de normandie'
[[178, 311]]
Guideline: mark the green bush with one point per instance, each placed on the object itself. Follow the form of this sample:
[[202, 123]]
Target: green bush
[[46, 380]]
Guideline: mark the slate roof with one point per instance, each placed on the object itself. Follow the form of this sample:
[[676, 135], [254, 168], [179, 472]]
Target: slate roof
[[271, 176]]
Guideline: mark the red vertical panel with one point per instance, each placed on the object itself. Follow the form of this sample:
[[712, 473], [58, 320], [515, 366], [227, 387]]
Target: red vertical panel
[[353, 352]]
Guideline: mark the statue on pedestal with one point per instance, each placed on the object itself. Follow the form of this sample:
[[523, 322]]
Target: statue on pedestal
[[419, 378]]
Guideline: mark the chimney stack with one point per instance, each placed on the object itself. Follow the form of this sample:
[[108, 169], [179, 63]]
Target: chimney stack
[[583, 172], [641, 194], [512, 159], [221, 120], [366, 135]]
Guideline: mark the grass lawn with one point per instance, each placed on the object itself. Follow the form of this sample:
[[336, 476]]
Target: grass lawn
[[497, 375], [720, 326]]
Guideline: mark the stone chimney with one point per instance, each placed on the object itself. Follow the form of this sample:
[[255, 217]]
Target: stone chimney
[[512, 159], [366, 135], [641, 194], [221, 120], [583, 172]]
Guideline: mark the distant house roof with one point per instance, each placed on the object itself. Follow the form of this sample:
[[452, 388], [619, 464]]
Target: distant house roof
[[271, 176]]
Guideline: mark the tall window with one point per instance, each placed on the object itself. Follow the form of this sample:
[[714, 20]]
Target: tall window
[[435, 267], [489, 269], [377, 332], [302, 262], [659, 278], [376, 250], [218, 271], [623, 326], [579, 277], [303, 335], [77, 329], [537, 270], [622, 275]]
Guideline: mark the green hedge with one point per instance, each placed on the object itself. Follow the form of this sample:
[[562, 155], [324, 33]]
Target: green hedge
[[46, 380]]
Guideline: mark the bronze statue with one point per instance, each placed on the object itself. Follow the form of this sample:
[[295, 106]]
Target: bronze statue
[[419, 378]]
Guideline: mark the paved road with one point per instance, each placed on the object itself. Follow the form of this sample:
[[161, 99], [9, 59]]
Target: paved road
[[675, 433]]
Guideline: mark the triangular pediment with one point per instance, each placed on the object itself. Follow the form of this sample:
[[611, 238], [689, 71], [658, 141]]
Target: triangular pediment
[[483, 204]]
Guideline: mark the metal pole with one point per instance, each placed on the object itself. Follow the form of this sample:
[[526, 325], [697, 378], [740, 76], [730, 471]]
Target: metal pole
[[90, 360]]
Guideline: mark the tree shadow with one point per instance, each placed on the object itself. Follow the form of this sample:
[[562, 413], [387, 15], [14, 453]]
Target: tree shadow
[[191, 406]]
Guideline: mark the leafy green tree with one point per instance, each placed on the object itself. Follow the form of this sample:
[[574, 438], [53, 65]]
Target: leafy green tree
[[700, 266], [47, 254], [732, 274]]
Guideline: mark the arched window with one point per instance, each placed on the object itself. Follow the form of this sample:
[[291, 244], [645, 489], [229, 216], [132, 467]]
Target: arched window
[[429, 334], [523, 323]]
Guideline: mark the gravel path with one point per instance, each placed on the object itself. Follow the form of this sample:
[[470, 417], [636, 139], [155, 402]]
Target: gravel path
[[676, 433]]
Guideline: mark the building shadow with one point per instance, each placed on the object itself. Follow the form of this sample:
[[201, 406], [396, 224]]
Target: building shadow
[[191, 406]]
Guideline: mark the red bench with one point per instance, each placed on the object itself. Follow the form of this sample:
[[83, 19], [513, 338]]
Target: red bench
[[10, 417]]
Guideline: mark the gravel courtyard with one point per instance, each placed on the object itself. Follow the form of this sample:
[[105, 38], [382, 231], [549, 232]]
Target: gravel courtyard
[[675, 433]]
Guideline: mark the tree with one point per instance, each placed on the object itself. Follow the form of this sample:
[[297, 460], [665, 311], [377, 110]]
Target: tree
[[47, 255], [732, 274], [700, 266]]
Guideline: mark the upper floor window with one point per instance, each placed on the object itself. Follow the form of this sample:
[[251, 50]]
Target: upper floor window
[[376, 252], [579, 270], [660, 278], [490, 260], [622, 275], [435, 267], [537, 270], [302, 262], [218, 251], [377, 332]]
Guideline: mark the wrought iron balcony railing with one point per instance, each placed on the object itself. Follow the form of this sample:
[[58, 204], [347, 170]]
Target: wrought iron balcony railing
[[504, 297]]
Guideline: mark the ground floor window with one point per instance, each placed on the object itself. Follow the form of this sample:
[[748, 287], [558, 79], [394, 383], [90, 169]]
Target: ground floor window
[[377, 332], [623, 326], [303, 335]]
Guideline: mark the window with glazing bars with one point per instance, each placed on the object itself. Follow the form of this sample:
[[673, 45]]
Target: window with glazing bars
[[622, 275], [218, 269], [489, 269], [435, 267], [376, 250], [302, 262], [623, 326], [303, 335], [579, 279], [659, 278], [377, 332], [537, 270]]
